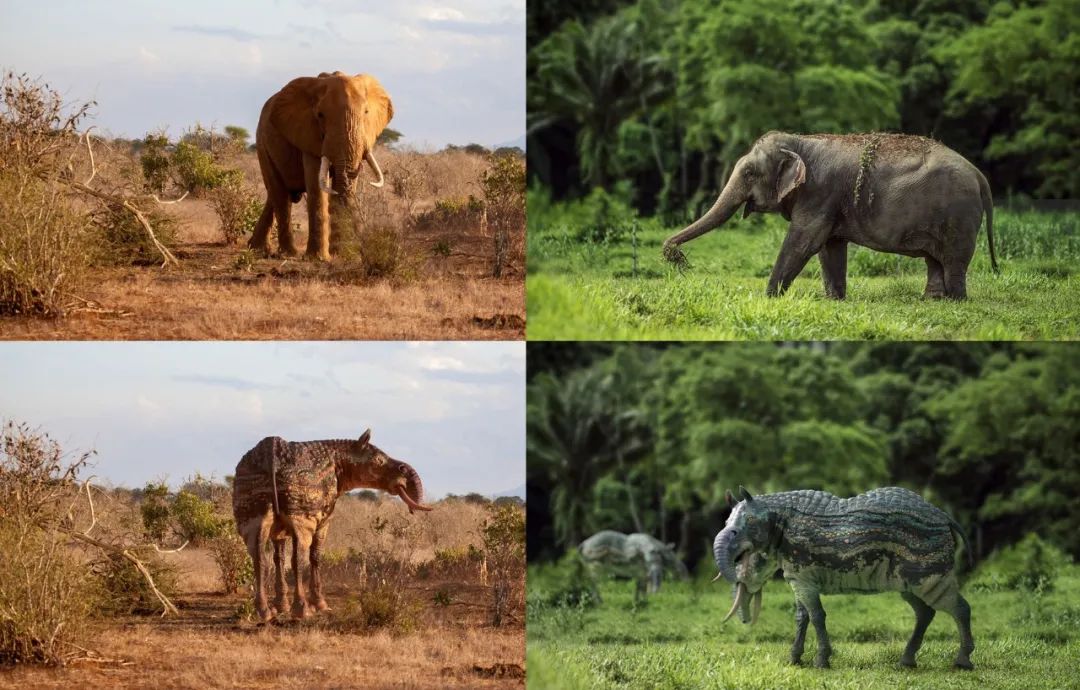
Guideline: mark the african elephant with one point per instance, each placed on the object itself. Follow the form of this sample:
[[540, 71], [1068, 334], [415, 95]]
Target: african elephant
[[890, 192], [288, 489], [312, 137], [885, 540], [638, 556]]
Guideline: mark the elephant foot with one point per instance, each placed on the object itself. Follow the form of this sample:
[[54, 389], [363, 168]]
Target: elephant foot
[[964, 664], [281, 604], [301, 611], [289, 251], [821, 661], [321, 606], [266, 616], [907, 662], [796, 661], [317, 256]]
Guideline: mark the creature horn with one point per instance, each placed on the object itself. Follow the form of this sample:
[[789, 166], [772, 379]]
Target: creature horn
[[740, 596], [755, 606], [370, 158], [324, 176]]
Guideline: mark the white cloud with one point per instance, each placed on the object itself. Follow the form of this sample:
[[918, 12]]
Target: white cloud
[[147, 56]]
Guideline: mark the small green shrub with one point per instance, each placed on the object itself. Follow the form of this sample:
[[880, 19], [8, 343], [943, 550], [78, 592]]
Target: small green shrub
[[1028, 565], [441, 598], [196, 520], [382, 607], [195, 169], [155, 162], [154, 509], [237, 205], [503, 533], [233, 561]]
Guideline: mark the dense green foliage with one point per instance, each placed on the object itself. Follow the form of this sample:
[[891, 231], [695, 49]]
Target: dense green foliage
[[1023, 639], [647, 437], [667, 94], [595, 270]]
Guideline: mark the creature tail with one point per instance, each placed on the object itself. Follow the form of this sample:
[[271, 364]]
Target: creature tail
[[988, 208], [955, 527], [273, 481]]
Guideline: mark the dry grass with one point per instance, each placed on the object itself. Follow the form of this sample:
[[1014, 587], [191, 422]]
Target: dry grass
[[448, 640], [224, 292]]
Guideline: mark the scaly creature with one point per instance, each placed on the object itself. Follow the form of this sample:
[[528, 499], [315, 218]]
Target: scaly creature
[[636, 556], [885, 540]]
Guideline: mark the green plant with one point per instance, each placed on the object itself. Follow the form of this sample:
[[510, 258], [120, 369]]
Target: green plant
[[125, 589], [237, 206], [121, 240], [154, 509], [196, 520], [442, 248], [1030, 565], [233, 561], [503, 534], [245, 260], [155, 162], [196, 169], [504, 199], [441, 598]]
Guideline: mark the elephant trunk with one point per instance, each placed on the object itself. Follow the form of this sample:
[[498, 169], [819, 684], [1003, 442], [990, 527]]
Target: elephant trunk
[[341, 174], [413, 491], [721, 552], [729, 200]]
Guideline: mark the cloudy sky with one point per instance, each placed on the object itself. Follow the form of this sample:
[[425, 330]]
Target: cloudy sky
[[454, 68], [455, 411]]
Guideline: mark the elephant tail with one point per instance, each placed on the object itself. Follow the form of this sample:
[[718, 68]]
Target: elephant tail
[[988, 208]]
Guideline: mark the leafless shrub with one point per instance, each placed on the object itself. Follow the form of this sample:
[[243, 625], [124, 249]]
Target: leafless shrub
[[233, 562], [126, 590], [504, 547], [121, 239], [504, 191]]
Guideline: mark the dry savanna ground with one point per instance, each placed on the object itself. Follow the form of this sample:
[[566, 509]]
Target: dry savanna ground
[[437, 253], [222, 291], [442, 636]]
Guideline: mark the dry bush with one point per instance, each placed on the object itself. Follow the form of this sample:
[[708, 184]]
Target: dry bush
[[452, 214], [122, 241], [504, 547], [504, 191], [43, 237], [46, 594], [238, 206], [125, 590], [372, 245]]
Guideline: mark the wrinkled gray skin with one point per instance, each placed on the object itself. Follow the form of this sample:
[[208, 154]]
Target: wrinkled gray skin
[[636, 556], [914, 197], [884, 540]]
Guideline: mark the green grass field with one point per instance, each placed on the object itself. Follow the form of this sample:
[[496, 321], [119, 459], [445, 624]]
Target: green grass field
[[589, 290], [675, 640]]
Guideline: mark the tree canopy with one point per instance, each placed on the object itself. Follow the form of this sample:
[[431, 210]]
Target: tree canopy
[[644, 437], [667, 94]]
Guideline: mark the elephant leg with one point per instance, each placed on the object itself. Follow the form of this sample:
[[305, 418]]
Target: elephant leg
[[962, 613], [833, 257], [956, 282], [259, 236], [640, 586], [256, 531], [943, 594], [318, 243], [803, 241], [812, 602], [303, 530], [802, 620], [317, 542], [281, 585], [935, 279], [283, 216], [924, 614]]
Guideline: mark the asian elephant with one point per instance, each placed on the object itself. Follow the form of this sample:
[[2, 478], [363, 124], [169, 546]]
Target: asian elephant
[[313, 136], [890, 192], [885, 540]]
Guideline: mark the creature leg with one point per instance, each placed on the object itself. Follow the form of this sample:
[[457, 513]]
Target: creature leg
[[833, 258], [804, 239], [303, 530], [923, 615], [281, 585], [256, 531], [262, 228], [956, 282], [802, 619], [283, 215], [935, 279], [812, 602], [962, 613], [317, 543], [639, 589], [944, 595], [318, 244]]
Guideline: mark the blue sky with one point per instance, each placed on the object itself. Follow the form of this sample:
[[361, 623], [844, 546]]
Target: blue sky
[[455, 411], [455, 68]]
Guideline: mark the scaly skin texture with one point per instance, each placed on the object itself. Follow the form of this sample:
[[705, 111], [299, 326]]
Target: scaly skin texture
[[288, 489], [887, 539], [637, 556]]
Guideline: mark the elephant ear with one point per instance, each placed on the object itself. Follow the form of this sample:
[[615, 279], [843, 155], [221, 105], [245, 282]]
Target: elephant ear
[[380, 107], [729, 498], [365, 437], [292, 113], [792, 174]]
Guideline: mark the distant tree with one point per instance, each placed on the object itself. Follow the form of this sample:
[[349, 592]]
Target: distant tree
[[476, 149], [513, 151], [388, 137], [238, 135]]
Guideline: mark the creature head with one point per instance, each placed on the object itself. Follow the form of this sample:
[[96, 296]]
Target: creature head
[[745, 553], [368, 466]]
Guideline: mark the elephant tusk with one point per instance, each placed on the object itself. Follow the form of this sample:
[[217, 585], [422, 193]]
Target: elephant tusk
[[740, 595], [755, 607], [370, 158], [324, 176], [413, 505], [718, 576]]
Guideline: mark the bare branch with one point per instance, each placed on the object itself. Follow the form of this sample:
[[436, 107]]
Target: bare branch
[[173, 201], [176, 550], [93, 166]]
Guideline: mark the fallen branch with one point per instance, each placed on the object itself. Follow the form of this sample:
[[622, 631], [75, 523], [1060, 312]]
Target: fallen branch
[[166, 605], [126, 205], [176, 550]]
